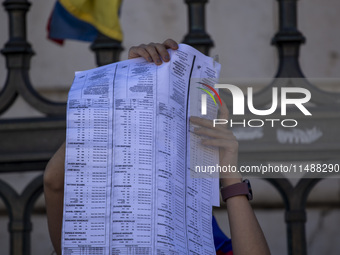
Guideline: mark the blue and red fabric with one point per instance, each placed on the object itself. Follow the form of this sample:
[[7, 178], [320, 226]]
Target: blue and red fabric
[[222, 242]]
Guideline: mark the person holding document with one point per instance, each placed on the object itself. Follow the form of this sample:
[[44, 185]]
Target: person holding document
[[246, 233]]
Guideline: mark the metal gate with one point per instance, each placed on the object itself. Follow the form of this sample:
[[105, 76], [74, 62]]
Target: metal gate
[[28, 143]]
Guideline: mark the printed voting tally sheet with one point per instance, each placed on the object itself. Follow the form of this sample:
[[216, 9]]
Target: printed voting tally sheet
[[129, 187]]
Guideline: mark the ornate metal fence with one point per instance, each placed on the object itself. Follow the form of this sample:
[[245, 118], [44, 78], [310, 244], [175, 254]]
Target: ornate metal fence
[[28, 143]]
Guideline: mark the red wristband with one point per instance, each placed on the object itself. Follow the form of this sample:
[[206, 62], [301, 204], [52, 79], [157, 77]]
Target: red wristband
[[237, 189]]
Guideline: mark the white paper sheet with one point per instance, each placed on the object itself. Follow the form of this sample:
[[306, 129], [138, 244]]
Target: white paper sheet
[[128, 186]]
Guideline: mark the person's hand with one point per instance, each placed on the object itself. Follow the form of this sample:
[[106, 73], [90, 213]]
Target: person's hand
[[153, 52], [223, 138]]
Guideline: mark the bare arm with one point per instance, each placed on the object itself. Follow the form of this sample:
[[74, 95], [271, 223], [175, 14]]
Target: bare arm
[[246, 234], [54, 195]]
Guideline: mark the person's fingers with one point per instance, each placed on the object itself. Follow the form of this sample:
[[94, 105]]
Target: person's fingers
[[206, 123], [139, 51], [169, 43], [230, 144], [223, 138], [215, 133], [153, 52], [161, 49], [201, 121]]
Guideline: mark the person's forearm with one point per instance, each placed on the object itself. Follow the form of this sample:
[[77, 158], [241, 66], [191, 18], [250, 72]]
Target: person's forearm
[[246, 234], [54, 210], [54, 195]]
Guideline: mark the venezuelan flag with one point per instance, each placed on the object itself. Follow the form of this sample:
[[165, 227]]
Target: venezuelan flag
[[83, 19]]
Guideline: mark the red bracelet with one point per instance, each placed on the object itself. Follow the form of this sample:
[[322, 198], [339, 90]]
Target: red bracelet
[[237, 189]]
